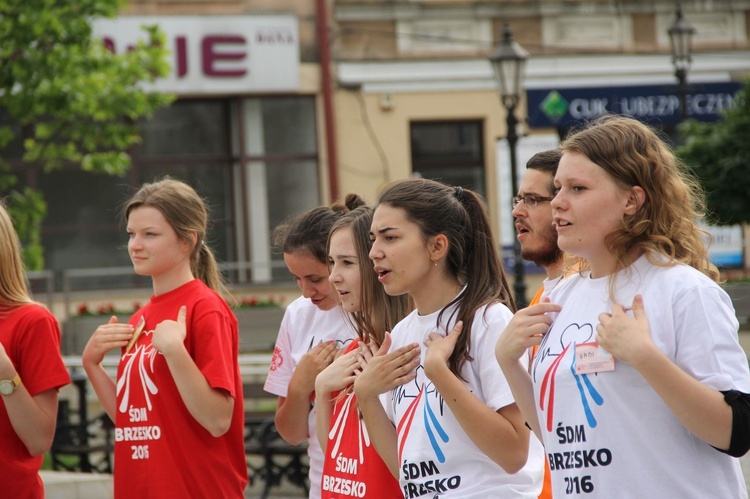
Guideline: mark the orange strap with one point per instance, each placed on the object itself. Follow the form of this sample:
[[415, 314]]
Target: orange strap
[[547, 484]]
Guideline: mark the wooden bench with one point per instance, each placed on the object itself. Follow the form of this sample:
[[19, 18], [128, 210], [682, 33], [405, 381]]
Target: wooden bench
[[270, 457]]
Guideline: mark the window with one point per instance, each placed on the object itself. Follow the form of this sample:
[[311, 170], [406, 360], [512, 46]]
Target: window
[[279, 165], [250, 185], [451, 152]]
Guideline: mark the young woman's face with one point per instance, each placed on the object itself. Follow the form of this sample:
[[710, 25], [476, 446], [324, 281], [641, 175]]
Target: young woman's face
[[153, 245], [311, 276], [344, 267], [588, 206], [398, 251]]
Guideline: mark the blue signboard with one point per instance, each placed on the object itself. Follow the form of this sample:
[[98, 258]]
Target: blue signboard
[[658, 105]]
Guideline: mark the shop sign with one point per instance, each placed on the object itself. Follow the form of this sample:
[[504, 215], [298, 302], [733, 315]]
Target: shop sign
[[726, 245], [655, 104], [217, 54]]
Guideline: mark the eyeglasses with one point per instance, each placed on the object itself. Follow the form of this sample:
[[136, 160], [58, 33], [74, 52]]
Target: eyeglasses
[[530, 200]]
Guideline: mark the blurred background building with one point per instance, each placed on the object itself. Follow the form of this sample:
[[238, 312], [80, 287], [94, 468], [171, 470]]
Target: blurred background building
[[286, 104]]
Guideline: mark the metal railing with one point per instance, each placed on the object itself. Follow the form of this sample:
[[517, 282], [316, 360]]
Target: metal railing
[[237, 274], [67, 276], [252, 365], [47, 277]]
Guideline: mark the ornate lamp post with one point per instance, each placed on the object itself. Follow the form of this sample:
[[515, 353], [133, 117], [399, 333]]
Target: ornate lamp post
[[509, 63], [681, 40]]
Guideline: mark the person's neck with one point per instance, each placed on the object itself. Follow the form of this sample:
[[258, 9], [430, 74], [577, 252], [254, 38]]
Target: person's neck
[[169, 281], [607, 265], [554, 270], [435, 296]]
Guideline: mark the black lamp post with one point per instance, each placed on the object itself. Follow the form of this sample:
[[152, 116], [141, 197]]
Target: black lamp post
[[509, 63], [681, 39]]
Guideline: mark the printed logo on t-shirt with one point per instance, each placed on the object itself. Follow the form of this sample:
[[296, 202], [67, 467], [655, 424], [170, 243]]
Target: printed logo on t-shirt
[[570, 459], [572, 335], [347, 480], [277, 360], [424, 412], [141, 359], [338, 430], [314, 341]]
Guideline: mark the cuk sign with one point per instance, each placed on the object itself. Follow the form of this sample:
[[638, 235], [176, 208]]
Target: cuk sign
[[217, 54], [652, 104]]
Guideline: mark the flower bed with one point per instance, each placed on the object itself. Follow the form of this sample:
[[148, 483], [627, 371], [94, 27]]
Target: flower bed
[[258, 319]]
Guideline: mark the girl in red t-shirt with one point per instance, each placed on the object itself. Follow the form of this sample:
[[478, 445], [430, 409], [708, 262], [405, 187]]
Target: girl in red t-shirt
[[31, 372], [177, 404], [352, 466]]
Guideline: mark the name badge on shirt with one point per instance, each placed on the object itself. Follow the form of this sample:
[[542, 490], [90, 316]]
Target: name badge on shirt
[[591, 358]]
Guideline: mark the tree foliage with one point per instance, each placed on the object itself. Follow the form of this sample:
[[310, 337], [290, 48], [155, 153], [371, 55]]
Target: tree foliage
[[719, 154], [80, 101], [27, 209], [72, 101]]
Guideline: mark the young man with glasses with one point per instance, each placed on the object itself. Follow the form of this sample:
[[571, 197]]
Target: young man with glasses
[[537, 235], [533, 216]]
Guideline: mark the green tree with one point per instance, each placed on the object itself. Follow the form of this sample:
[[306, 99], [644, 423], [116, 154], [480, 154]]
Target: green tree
[[719, 154], [73, 101]]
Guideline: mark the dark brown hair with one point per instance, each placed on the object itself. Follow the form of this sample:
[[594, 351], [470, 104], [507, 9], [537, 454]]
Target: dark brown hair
[[546, 161], [308, 232], [379, 312], [459, 214]]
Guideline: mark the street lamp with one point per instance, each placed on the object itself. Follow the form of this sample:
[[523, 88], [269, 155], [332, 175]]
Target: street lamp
[[681, 40], [509, 63]]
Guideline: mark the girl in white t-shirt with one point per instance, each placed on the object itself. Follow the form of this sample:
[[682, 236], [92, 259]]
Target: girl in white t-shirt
[[639, 387], [314, 328], [450, 427]]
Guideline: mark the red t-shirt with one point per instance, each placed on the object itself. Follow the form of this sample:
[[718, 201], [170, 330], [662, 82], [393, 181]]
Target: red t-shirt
[[160, 449], [30, 335], [352, 467]]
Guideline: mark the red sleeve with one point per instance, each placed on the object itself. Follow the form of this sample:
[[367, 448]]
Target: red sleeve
[[214, 345], [38, 358]]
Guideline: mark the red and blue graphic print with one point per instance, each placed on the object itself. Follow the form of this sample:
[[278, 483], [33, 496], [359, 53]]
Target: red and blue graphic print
[[432, 426], [572, 335], [422, 422]]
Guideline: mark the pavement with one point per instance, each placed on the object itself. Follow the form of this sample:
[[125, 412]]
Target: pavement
[[70, 485], [66, 485]]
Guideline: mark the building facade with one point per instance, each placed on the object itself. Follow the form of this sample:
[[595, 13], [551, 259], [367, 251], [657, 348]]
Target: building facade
[[286, 104], [416, 93]]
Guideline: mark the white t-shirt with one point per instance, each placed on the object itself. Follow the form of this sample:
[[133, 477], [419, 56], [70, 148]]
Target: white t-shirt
[[436, 455], [549, 285], [608, 434], [304, 325]]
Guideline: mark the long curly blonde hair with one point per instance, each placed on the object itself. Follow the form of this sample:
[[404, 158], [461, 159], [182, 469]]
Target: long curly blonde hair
[[667, 222]]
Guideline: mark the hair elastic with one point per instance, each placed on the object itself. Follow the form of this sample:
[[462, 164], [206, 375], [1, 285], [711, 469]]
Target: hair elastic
[[459, 191]]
